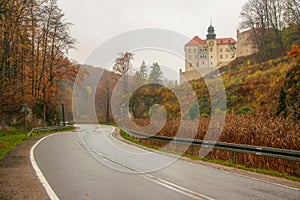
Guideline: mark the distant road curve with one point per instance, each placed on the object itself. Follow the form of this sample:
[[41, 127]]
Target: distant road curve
[[90, 164]]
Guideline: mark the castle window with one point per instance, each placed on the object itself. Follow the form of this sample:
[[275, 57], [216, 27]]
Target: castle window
[[203, 63], [221, 56], [211, 49], [191, 65], [190, 51], [221, 50], [211, 57]]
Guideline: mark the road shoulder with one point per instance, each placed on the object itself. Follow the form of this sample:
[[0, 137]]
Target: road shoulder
[[17, 177], [261, 177]]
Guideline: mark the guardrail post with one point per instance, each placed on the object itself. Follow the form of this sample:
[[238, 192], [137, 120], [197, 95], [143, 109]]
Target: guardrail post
[[63, 114], [192, 150], [233, 157]]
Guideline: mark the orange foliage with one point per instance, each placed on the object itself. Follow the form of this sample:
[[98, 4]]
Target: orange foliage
[[295, 52]]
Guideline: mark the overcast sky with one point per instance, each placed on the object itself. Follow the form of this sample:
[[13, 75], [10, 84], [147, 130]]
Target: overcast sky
[[96, 21]]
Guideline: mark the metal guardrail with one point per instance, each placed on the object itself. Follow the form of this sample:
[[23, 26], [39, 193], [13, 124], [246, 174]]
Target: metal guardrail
[[48, 128], [235, 148]]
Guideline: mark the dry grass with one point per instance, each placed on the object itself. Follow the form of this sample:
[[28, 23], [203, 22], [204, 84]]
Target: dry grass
[[259, 130]]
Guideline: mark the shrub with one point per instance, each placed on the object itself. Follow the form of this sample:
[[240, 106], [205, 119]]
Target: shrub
[[194, 111], [244, 110]]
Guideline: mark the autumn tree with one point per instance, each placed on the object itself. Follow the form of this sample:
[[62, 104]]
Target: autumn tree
[[34, 41]]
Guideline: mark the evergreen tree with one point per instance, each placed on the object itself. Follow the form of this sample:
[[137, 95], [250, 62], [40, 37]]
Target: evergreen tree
[[143, 71], [142, 74], [156, 75]]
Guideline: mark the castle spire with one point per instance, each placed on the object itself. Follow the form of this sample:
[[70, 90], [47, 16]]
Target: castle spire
[[211, 32]]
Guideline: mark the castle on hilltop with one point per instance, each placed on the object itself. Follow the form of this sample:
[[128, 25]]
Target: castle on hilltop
[[204, 56]]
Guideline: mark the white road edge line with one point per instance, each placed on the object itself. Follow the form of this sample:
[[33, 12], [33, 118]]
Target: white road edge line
[[176, 188], [162, 182], [132, 146], [262, 180], [151, 178], [236, 174], [39, 173]]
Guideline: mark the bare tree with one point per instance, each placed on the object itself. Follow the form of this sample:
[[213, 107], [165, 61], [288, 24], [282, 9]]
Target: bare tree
[[104, 92], [254, 18], [275, 18], [268, 19], [122, 66], [292, 12]]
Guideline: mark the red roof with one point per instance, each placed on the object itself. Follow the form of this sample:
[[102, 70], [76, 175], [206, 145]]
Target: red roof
[[226, 41], [196, 41]]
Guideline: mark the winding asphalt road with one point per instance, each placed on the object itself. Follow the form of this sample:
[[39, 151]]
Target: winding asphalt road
[[90, 163]]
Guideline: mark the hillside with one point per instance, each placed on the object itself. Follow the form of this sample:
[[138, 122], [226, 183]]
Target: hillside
[[250, 86], [256, 86], [254, 92]]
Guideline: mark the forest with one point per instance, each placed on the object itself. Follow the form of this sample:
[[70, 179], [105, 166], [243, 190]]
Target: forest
[[36, 75]]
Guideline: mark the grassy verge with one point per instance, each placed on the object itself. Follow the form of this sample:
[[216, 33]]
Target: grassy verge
[[221, 162], [10, 139]]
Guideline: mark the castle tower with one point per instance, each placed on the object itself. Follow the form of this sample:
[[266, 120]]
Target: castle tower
[[211, 33], [211, 42]]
